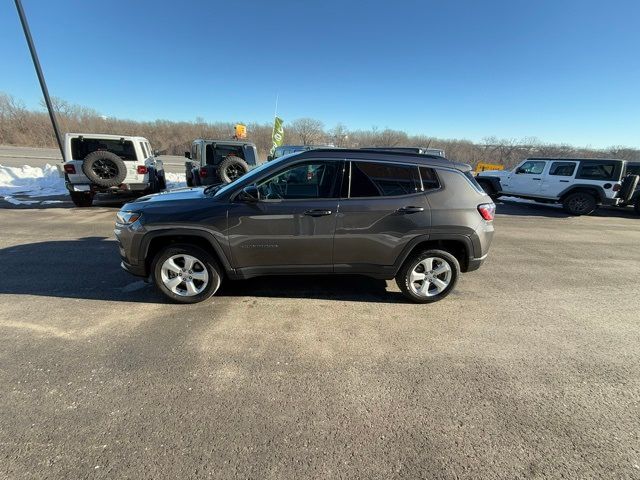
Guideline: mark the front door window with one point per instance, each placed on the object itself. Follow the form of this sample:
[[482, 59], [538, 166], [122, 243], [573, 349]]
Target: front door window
[[302, 181]]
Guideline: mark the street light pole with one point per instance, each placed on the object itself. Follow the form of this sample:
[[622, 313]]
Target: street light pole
[[43, 84]]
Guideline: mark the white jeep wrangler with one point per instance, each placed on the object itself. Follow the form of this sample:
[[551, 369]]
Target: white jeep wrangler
[[580, 185], [113, 164]]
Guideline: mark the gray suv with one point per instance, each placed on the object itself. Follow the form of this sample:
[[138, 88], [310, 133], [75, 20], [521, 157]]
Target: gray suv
[[419, 219]]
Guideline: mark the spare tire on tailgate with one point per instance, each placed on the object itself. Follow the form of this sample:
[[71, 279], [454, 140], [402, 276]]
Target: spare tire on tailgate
[[104, 168], [232, 167], [628, 187]]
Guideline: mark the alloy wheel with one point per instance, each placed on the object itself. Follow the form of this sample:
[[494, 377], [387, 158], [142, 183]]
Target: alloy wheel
[[430, 277], [184, 275]]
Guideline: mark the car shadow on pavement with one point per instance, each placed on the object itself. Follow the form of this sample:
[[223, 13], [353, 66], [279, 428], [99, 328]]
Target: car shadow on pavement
[[353, 288], [532, 209], [89, 268]]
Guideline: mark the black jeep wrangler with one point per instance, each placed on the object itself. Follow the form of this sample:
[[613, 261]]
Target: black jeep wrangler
[[211, 162]]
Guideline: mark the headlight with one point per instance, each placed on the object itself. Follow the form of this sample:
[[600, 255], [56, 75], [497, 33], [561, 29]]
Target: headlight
[[127, 218]]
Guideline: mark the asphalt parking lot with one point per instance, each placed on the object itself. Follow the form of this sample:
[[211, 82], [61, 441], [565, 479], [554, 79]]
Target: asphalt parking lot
[[531, 369]]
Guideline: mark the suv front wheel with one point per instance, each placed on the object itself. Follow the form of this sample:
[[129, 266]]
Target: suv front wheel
[[186, 273], [428, 276]]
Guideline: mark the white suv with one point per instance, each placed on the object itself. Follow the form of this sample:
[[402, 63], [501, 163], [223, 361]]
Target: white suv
[[580, 185], [100, 163]]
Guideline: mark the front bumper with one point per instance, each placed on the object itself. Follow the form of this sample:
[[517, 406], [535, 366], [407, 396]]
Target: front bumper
[[137, 270], [129, 247]]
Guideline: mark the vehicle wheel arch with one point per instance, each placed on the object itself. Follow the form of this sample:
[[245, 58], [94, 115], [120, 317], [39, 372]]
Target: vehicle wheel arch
[[597, 192], [154, 242], [460, 246], [493, 182]]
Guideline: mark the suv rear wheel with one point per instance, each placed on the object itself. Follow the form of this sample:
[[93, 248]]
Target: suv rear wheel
[[636, 206], [186, 273], [428, 276], [580, 203]]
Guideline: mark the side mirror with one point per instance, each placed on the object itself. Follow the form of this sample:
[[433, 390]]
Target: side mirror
[[156, 153], [187, 155], [269, 158], [249, 194], [519, 170]]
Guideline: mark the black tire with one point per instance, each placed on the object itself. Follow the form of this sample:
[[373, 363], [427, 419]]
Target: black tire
[[580, 203], [440, 257], [231, 168], [81, 199], [105, 169], [162, 181], [204, 261], [628, 187], [636, 206]]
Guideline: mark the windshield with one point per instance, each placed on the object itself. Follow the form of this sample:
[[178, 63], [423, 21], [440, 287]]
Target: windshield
[[251, 175]]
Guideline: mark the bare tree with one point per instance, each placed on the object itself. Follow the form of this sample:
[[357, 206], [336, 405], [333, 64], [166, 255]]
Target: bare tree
[[307, 130]]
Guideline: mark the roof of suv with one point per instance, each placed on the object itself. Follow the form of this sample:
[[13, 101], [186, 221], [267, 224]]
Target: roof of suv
[[224, 142], [387, 156], [556, 159]]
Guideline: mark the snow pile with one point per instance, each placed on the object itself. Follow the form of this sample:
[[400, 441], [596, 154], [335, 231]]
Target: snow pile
[[44, 182], [31, 181], [175, 180]]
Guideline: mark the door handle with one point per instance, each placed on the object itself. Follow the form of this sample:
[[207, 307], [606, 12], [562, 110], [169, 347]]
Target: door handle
[[410, 209], [317, 213], [564, 181], [535, 179]]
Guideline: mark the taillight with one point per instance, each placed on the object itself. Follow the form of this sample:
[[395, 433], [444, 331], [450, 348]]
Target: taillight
[[487, 210], [142, 170], [616, 187], [69, 168], [203, 172]]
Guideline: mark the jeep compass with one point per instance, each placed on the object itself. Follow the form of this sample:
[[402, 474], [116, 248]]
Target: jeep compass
[[420, 219]]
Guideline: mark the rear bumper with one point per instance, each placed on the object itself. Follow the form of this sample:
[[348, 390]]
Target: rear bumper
[[611, 201], [475, 263]]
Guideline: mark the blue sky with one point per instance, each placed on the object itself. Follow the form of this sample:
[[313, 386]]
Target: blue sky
[[562, 71]]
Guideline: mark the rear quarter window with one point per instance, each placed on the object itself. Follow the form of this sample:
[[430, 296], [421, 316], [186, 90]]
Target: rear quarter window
[[597, 171]]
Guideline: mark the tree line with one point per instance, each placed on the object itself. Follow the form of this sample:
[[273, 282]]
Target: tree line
[[27, 127]]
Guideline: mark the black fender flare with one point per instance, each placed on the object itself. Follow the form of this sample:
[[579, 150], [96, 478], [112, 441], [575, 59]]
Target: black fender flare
[[454, 237], [493, 181], [185, 232], [581, 187]]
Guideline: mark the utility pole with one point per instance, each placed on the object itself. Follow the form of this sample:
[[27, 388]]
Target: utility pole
[[43, 84]]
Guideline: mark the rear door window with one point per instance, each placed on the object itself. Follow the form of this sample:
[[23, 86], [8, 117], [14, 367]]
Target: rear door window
[[370, 179], [562, 169], [144, 150]]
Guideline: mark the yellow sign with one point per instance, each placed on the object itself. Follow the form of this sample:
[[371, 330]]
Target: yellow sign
[[240, 131], [481, 167]]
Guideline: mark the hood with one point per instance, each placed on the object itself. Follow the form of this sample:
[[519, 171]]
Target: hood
[[494, 173], [172, 196]]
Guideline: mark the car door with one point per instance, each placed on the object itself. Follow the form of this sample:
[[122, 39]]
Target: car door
[[291, 227], [557, 178], [526, 179], [382, 209]]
